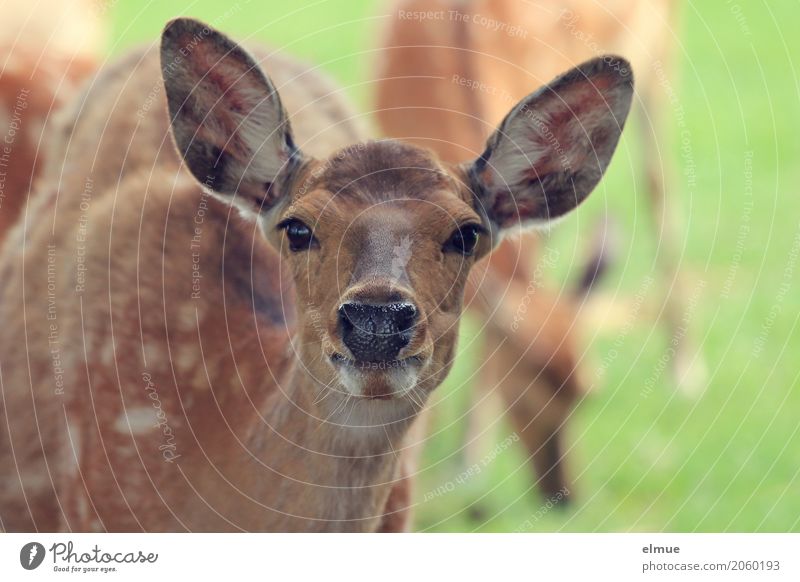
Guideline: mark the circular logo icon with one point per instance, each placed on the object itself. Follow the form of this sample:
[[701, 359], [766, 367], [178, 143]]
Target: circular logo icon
[[31, 555]]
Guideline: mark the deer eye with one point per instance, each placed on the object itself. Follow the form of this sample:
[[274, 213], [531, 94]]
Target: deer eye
[[299, 234], [464, 239]]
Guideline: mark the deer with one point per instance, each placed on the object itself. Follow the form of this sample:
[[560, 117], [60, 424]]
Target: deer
[[446, 73], [228, 305]]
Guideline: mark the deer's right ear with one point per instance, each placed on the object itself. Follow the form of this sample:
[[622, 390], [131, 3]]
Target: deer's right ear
[[226, 116], [552, 149]]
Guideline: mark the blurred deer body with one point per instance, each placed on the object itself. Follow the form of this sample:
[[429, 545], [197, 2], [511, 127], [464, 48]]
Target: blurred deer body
[[446, 73], [47, 49]]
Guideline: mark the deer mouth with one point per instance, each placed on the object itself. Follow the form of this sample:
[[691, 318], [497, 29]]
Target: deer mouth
[[375, 366], [380, 380]]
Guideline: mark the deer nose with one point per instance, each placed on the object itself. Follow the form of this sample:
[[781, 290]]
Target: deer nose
[[376, 332]]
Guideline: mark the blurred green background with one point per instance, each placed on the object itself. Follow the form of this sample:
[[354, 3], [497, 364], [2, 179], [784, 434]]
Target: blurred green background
[[726, 458]]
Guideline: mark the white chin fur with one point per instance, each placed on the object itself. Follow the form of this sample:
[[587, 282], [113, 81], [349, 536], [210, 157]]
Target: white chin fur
[[401, 379]]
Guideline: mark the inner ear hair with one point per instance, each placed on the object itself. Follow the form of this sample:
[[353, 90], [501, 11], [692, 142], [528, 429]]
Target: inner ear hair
[[226, 116], [552, 149]]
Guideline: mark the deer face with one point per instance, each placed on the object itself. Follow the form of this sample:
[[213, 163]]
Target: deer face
[[381, 237]]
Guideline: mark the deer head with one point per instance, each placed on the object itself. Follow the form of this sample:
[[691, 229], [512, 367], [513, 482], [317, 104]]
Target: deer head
[[380, 237]]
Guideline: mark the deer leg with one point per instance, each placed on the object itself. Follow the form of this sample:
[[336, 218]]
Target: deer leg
[[538, 411], [688, 371], [530, 361], [541, 433], [397, 515]]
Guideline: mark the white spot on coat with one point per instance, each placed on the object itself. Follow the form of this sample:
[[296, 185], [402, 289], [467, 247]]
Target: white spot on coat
[[136, 421]]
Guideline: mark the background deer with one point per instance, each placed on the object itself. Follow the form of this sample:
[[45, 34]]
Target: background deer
[[47, 49], [216, 336], [447, 72]]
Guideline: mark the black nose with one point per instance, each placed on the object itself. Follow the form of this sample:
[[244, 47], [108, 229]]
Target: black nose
[[376, 333]]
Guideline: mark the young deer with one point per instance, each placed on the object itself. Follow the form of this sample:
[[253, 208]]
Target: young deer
[[239, 332], [447, 73]]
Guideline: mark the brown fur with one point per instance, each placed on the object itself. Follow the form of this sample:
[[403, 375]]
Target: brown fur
[[36, 80]]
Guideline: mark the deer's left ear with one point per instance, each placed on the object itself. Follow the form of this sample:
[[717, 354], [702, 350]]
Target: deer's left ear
[[226, 116], [552, 149]]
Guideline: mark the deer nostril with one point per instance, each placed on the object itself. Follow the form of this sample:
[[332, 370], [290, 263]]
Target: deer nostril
[[344, 320], [405, 315]]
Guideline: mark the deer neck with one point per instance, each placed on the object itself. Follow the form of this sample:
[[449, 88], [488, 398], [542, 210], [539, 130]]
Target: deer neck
[[326, 461], [326, 419]]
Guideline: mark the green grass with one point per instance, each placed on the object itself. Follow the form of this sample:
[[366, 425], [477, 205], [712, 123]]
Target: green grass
[[727, 459]]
